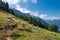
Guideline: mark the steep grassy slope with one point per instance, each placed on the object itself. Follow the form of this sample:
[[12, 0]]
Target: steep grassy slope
[[31, 32]]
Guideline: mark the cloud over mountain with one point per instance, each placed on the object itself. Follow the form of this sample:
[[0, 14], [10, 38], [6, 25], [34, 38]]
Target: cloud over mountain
[[46, 17]]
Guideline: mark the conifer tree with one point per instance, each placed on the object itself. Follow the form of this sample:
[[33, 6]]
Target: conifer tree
[[7, 6]]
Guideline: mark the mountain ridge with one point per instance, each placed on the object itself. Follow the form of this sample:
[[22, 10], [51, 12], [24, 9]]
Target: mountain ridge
[[17, 12], [45, 22]]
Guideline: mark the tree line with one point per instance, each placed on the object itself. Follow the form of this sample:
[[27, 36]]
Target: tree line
[[35, 22]]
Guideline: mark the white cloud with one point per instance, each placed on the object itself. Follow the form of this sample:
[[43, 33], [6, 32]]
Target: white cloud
[[53, 18], [24, 10], [43, 16], [34, 13], [34, 1], [17, 1], [25, 1], [11, 2], [46, 17], [14, 2]]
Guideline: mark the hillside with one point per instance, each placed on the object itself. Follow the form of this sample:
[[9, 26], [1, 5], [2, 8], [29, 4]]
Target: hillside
[[30, 32]]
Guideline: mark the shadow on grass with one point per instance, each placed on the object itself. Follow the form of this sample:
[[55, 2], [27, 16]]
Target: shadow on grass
[[29, 30], [15, 36]]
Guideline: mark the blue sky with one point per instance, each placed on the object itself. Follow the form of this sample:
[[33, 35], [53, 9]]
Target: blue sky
[[45, 9]]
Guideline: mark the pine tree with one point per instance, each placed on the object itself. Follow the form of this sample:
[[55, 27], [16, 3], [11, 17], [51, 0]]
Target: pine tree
[[7, 6]]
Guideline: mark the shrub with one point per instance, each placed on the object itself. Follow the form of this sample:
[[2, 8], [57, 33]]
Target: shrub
[[53, 27]]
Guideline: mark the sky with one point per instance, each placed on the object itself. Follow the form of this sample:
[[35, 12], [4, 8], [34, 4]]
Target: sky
[[45, 9]]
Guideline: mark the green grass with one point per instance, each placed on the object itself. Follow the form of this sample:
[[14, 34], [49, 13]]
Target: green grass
[[36, 34]]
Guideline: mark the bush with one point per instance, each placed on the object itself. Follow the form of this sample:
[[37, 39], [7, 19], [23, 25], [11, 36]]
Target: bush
[[53, 27]]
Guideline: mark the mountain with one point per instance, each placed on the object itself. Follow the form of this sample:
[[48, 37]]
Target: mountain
[[57, 22], [18, 13], [40, 19], [30, 31]]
